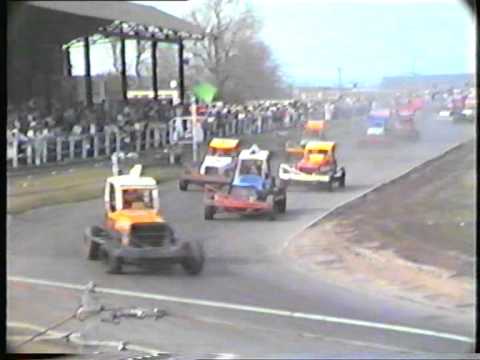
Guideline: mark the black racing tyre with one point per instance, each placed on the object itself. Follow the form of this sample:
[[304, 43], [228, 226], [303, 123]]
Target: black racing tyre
[[282, 205], [341, 183], [114, 264], [195, 258], [209, 212], [273, 214], [92, 248], [183, 185]]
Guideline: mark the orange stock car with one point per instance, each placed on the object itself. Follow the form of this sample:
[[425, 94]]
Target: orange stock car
[[313, 130], [134, 232]]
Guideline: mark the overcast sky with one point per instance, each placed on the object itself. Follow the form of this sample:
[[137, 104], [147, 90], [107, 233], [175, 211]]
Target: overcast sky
[[367, 39]]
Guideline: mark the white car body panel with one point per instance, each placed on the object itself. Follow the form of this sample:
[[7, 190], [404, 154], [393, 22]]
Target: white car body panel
[[375, 131], [219, 162]]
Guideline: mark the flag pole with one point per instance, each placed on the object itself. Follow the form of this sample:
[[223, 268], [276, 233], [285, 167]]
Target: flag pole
[[194, 128]]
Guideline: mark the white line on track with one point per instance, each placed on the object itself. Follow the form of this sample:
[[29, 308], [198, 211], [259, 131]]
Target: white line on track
[[247, 308]]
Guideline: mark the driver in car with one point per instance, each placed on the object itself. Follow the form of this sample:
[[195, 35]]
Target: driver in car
[[130, 197]]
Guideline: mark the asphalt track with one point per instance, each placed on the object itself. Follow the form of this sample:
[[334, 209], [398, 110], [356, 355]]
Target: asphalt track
[[245, 266]]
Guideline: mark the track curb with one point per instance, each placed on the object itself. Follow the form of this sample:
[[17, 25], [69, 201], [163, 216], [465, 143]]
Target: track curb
[[353, 201]]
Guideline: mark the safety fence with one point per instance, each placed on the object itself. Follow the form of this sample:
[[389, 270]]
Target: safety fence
[[49, 149]]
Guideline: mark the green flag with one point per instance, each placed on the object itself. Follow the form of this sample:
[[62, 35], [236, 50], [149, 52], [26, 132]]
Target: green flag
[[205, 92]]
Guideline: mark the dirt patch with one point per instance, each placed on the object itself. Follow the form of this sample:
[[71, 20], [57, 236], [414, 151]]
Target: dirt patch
[[413, 238]]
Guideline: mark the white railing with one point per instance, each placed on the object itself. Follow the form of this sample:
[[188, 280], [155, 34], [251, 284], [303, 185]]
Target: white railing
[[57, 149]]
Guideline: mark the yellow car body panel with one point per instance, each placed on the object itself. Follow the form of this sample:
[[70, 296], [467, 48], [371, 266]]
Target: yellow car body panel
[[295, 151], [224, 143], [122, 220], [315, 125], [320, 146]]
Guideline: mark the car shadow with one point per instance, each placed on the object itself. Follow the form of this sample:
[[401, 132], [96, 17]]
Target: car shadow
[[213, 267]]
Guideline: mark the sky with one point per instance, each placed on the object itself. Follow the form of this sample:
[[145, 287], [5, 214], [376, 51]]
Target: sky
[[363, 40]]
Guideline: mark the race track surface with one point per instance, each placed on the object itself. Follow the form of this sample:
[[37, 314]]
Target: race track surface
[[245, 265]]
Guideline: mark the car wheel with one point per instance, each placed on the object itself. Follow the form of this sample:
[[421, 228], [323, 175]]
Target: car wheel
[[282, 204], [273, 214], [92, 248], [342, 179], [209, 212], [114, 264], [183, 185], [195, 258]]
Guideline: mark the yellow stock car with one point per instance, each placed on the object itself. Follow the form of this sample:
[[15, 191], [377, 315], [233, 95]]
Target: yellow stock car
[[134, 232], [318, 165], [313, 130]]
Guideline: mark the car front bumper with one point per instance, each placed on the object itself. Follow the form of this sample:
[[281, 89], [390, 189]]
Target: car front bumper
[[288, 173], [174, 252], [199, 179]]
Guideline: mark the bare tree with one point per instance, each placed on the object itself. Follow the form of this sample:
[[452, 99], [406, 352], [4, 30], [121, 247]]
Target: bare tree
[[225, 24], [255, 75]]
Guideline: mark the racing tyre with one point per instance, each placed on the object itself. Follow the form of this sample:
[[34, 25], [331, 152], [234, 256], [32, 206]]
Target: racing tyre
[[114, 264], [341, 183], [92, 248], [209, 212], [195, 258], [183, 185], [282, 204], [273, 214]]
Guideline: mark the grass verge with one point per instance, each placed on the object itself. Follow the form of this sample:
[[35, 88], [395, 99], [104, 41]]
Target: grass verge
[[69, 187]]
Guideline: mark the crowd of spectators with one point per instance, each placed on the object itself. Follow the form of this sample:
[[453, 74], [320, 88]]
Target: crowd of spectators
[[32, 119], [35, 120]]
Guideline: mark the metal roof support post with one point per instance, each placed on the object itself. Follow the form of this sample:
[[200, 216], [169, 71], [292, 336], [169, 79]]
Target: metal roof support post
[[124, 69], [31, 72], [88, 72], [180, 72], [154, 70], [48, 91], [68, 62]]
